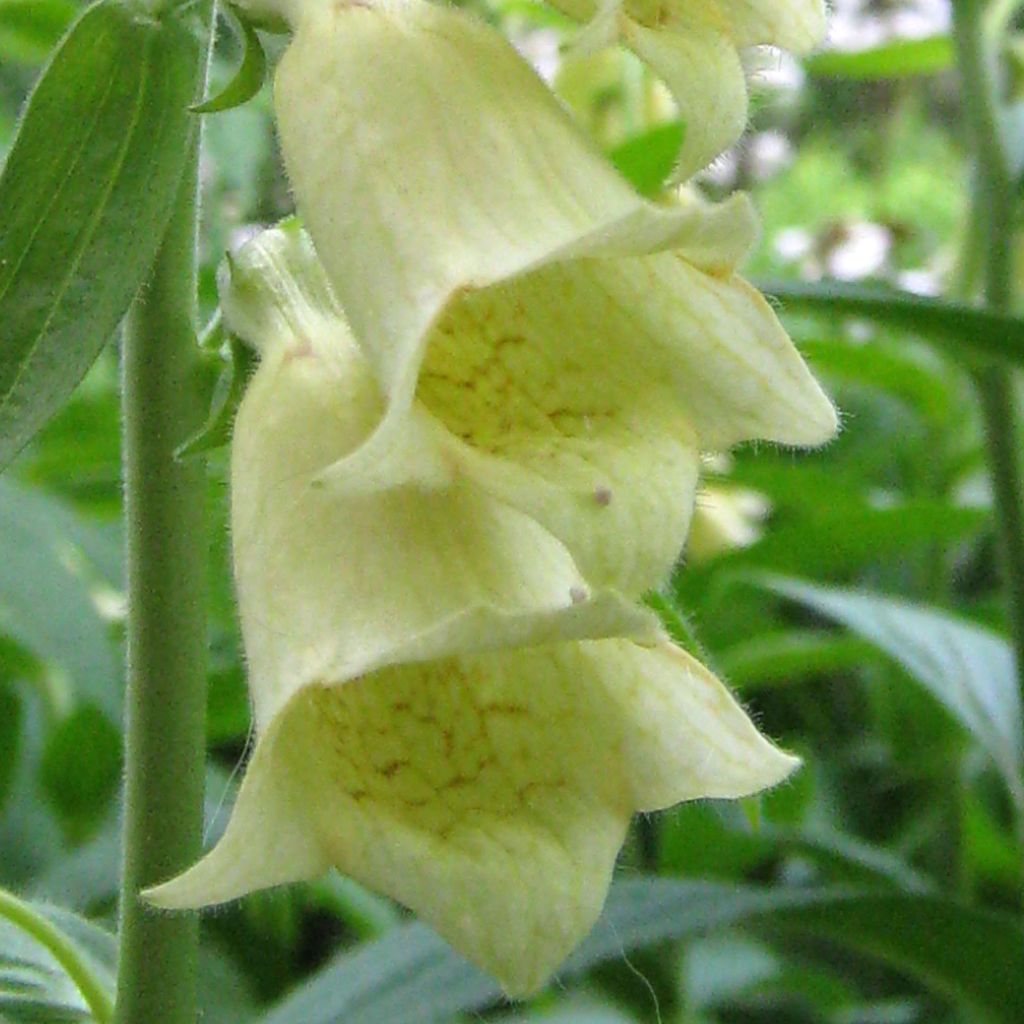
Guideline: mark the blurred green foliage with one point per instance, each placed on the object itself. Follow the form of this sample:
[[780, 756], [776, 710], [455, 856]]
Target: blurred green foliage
[[861, 620]]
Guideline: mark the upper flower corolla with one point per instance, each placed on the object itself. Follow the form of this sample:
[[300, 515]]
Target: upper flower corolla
[[695, 47], [443, 710], [498, 273]]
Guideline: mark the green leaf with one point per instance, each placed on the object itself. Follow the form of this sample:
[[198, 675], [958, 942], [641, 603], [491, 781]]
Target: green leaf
[[54, 965], [79, 788], [647, 160], [85, 195], [247, 80], [962, 329], [46, 603], [896, 373], [848, 858], [968, 669], [791, 656], [585, 1013], [10, 737], [1012, 118], [364, 912], [839, 538], [29, 836], [412, 977], [713, 840], [899, 59], [676, 624], [29, 29], [85, 877]]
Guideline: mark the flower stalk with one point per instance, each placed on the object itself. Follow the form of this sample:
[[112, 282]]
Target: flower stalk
[[166, 636], [994, 207]]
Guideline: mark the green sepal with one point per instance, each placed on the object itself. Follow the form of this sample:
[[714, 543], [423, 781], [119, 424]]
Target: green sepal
[[251, 73], [227, 394]]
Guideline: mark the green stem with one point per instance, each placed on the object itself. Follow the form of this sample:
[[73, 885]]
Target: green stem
[[994, 210], [25, 917], [166, 554]]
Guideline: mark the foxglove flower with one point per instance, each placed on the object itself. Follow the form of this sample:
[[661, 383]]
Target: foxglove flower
[[696, 47], [471, 446], [441, 711]]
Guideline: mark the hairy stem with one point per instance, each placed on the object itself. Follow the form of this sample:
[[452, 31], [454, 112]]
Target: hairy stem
[[166, 693]]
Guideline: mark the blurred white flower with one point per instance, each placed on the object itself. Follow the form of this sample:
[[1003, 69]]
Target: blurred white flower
[[768, 153], [725, 518], [794, 244], [541, 48], [920, 281], [862, 24], [773, 70], [861, 250]]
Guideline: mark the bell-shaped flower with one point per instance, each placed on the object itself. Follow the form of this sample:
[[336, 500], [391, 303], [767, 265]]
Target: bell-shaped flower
[[443, 711], [447, 499], [464, 221], [696, 48]]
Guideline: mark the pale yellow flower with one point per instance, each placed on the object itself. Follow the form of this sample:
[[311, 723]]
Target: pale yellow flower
[[609, 98], [695, 47], [447, 502], [445, 189], [726, 517], [426, 722]]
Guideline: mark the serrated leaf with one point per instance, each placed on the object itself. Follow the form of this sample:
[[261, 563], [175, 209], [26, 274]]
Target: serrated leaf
[[899, 59], [962, 330], [85, 195], [968, 669], [247, 80], [412, 977]]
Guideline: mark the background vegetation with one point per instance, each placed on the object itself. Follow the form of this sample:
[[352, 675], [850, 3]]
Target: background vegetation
[[853, 597]]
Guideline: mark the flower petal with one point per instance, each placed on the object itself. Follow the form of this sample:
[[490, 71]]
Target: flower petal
[[578, 394], [452, 568], [686, 737], [693, 45], [592, 347], [796, 25], [702, 70], [268, 840], [398, 89], [557, 421], [491, 794], [713, 341]]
